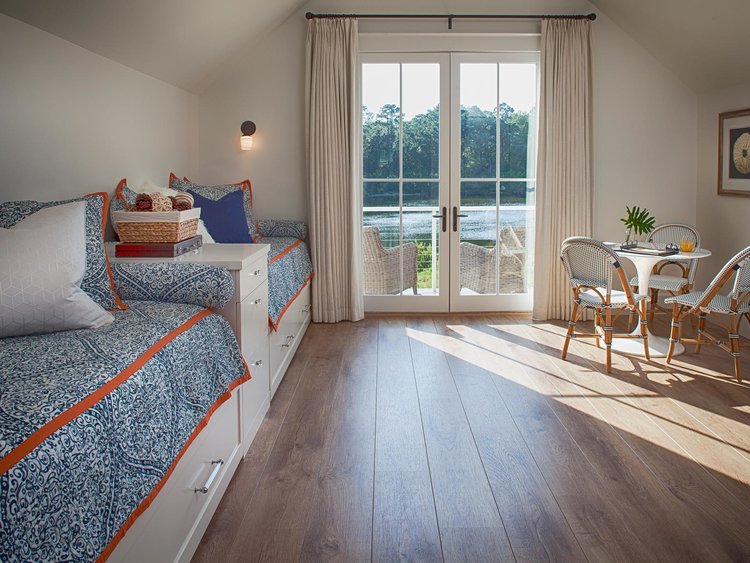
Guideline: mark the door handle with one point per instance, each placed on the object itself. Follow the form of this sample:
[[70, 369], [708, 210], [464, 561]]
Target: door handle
[[444, 219], [456, 215]]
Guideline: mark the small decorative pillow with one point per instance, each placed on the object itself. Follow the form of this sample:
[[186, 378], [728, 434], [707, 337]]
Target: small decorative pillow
[[225, 218], [124, 196], [42, 263], [97, 281], [216, 193]]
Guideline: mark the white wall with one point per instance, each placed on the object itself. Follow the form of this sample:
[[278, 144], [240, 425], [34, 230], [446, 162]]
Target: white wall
[[644, 117], [722, 220], [73, 122]]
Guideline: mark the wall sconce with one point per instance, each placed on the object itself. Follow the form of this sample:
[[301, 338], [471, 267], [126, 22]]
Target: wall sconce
[[246, 141]]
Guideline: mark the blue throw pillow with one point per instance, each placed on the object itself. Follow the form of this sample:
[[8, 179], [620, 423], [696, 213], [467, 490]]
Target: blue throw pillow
[[224, 218]]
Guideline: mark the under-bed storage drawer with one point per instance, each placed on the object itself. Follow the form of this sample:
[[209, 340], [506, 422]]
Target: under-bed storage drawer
[[285, 340], [172, 526]]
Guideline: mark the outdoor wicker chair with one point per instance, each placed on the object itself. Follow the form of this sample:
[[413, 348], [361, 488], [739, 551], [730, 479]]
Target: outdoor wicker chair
[[478, 270], [702, 303], [383, 270], [675, 285], [590, 266]]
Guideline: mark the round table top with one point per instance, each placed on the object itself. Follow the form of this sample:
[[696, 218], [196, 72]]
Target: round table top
[[694, 255]]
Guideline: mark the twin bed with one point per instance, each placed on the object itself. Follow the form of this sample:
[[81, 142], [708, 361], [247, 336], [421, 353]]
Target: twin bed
[[94, 422]]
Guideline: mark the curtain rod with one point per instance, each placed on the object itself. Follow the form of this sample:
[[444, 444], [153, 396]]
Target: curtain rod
[[451, 17]]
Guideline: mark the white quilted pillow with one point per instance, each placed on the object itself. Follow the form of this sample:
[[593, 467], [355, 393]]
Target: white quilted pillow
[[42, 262]]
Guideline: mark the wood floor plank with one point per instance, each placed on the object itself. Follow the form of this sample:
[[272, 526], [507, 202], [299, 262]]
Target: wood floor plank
[[275, 526], [463, 497], [225, 525], [536, 526], [670, 450], [645, 502], [405, 525], [340, 527]]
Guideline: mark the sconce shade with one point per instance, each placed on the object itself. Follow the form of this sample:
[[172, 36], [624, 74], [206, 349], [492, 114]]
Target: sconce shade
[[246, 141]]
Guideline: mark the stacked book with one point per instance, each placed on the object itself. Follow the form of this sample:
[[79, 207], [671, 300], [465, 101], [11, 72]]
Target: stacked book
[[158, 250]]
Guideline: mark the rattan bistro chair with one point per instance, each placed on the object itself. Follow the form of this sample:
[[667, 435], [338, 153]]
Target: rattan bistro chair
[[590, 266], [382, 266], [675, 285], [702, 303]]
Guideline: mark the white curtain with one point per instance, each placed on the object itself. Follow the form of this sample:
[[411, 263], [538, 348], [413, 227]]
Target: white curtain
[[334, 194], [564, 198]]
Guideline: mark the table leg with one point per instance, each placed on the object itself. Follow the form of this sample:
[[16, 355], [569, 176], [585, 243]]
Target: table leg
[[658, 346]]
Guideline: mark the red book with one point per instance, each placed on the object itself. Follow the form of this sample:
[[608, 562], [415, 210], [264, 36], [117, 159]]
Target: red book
[[158, 250]]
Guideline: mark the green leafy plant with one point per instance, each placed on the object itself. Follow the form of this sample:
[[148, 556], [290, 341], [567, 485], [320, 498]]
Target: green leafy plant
[[640, 221]]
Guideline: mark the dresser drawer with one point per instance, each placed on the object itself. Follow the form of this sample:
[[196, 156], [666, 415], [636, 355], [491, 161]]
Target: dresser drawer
[[160, 533], [250, 277]]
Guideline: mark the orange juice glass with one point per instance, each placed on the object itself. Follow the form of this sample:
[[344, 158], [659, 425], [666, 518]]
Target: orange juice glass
[[687, 245]]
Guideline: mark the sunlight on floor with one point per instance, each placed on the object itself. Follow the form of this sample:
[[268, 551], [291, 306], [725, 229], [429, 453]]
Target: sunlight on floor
[[528, 355]]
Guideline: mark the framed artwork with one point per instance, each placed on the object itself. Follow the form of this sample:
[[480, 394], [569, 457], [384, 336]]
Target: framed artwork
[[734, 153]]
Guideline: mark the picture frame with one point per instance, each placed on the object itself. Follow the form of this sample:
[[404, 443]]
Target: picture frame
[[734, 153]]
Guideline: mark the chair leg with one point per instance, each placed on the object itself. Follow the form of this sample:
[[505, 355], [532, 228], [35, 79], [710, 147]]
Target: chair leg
[[634, 289], [654, 301], [644, 328], [734, 345], [608, 336], [674, 334], [701, 328], [597, 324], [571, 329]]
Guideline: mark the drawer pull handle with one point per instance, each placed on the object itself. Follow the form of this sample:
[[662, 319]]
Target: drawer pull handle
[[256, 273], [217, 463], [307, 308], [258, 302], [258, 363], [289, 340]]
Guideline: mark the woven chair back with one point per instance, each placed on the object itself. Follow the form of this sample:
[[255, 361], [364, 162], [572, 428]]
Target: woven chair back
[[739, 267], [590, 263]]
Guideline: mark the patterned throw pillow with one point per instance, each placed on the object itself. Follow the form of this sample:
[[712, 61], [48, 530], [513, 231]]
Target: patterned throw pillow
[[124, 196], [215, 193], [43, 294], [97, 279]]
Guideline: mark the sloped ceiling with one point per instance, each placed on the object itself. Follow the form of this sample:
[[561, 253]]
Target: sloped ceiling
[[177, 41], [704, 42], [183, 41]]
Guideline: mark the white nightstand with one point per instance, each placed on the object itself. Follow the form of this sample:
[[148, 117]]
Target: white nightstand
[[247, 312]]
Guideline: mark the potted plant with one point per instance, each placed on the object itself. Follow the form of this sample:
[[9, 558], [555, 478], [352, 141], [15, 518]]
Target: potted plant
[[637, 221]]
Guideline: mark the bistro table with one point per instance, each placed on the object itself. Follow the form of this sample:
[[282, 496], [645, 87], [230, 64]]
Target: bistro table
[[658, 346]]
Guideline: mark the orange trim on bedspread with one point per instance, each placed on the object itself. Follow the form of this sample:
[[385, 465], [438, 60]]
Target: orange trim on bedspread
[[275, 325], [287, 250], [27, 446], [155, 491]]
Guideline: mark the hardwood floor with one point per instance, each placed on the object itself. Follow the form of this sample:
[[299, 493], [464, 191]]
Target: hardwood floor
[[466, 438]]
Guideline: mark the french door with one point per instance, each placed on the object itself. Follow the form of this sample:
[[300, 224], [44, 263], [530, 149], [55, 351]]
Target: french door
[[448, 161]]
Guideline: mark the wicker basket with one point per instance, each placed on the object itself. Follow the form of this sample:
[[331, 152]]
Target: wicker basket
[[156, 226]]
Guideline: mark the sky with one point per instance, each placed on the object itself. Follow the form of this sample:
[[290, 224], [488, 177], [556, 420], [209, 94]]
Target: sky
[[421, 86]]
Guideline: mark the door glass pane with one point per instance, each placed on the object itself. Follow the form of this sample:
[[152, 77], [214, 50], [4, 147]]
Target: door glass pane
[[517, 117], [421, 103], [478, 269], [516, 236], [381, 120], [478, 123], [421, 202]]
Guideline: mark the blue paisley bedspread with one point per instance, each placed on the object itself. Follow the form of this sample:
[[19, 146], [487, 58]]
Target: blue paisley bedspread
[[91, 421], [289, 271]]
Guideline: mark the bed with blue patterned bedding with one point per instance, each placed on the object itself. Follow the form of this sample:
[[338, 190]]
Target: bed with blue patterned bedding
[[92, 421], [289, 271]]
